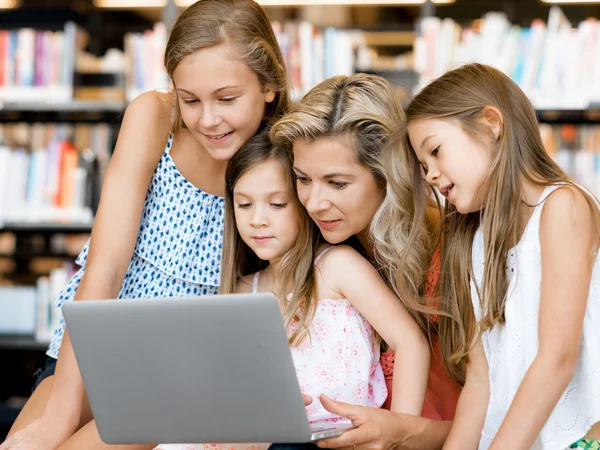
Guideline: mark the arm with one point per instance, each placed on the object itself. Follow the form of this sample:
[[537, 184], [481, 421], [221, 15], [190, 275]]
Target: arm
[[472, 404], [379, 429], [566, 237], [139, 147], [358, 281]]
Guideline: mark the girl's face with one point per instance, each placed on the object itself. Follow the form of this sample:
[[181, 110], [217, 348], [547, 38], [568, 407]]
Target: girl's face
[[265, 213], [339, 193], [452, 162], [220, 98]]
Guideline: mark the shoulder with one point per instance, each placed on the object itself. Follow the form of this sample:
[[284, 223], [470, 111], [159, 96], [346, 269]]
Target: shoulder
[[150, 109], [344, 259], [144, 129], [567, 204], [569, 213]]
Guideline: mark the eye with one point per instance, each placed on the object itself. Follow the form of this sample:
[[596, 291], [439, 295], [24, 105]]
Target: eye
[[338, 184], [228, 99], [278, 205], [244, 205], [435, 151], [190, 101], [302, 180]]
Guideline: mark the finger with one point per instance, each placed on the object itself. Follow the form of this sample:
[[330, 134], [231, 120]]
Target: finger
[[307, 400], [339, 408], [350, 438]]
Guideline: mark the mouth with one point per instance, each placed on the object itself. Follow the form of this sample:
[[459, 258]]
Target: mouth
[[262, 239], [446, 190], [218, 137], [328, 224]]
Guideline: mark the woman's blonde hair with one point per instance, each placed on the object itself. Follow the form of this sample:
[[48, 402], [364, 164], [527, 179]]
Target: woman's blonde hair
[[517, 155], [242, 23], [296, 271], [365, 110]]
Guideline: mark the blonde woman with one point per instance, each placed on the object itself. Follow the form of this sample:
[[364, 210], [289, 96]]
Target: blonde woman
[[346, 143], [162, 202]]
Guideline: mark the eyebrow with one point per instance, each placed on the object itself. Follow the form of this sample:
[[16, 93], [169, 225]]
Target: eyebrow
[[425, 140], [216, 91], [330, 175]]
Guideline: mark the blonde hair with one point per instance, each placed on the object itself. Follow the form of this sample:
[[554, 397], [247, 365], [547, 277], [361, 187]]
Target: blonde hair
[[244, 24], [366, 110], [517, 155], [296, 271]]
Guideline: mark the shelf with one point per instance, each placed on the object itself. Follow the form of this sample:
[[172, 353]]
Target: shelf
[[590, 115], [22, 342], [73, 111], [46, 227]]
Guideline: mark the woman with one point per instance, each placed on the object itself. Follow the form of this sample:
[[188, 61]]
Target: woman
[[345, 137]]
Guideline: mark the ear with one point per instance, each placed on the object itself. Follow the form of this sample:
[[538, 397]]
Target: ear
[[269, 95], [493, 118]]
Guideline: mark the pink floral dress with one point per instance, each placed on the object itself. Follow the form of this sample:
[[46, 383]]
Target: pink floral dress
[[340, 359]]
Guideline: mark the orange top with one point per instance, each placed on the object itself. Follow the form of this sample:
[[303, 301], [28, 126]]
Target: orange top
[[442, 392]]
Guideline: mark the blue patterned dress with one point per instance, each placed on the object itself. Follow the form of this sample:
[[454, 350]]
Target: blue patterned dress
[[179, 245]]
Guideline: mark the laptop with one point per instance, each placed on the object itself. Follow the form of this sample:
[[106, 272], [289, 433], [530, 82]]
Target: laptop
[[211, 369]]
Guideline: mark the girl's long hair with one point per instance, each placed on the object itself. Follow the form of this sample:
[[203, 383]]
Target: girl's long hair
[[296, 271]]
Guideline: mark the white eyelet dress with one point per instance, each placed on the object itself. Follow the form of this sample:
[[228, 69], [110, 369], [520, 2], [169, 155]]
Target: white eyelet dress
[[510, 348], [179, 245]]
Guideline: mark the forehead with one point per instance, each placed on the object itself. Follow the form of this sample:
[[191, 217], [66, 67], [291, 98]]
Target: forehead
[[211, 68], [264, 177], [325, 154]]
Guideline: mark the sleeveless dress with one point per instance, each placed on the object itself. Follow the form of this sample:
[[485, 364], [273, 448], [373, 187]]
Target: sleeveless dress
[[178, 248], [510, 348], [340, 359]]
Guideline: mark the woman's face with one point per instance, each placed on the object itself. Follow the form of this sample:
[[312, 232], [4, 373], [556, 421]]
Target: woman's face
[[340, 194]]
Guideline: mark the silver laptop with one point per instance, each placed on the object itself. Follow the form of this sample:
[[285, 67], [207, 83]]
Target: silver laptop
[[208, 369]]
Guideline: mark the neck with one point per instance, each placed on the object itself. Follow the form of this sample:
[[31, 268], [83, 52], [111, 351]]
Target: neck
[[270, 272]]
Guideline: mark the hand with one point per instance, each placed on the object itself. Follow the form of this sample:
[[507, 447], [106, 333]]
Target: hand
[[376, 429], [307, 401], [35, 436]]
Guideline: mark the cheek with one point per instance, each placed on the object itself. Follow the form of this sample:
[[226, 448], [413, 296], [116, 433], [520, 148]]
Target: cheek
[[189, 116], [302, 193]]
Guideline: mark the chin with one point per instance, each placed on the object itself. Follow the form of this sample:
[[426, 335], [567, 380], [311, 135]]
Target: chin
[[333, 237]]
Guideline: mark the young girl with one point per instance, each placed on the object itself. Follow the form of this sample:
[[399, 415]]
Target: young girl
[[329, 295], [158, 231], [520, 270]]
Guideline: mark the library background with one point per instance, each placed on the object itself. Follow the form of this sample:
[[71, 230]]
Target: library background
[[68, 68]]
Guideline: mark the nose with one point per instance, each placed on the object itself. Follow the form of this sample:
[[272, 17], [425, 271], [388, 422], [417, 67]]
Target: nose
[[432, 175], [316, 201], [258, 218], [210, 118]]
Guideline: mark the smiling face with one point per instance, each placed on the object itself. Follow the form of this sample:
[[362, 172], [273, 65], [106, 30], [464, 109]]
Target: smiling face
[[220, 99], [452, 162], [340, 194], [265, 212]]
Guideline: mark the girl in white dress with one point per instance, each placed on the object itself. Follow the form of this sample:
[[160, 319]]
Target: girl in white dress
[[329, 295], [520, 279]]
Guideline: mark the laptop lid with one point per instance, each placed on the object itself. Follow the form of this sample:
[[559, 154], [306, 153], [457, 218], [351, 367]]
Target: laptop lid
[[196, 369]]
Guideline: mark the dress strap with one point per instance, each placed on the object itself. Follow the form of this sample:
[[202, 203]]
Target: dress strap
[[169, 143], [322, 253], [255, 283]]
